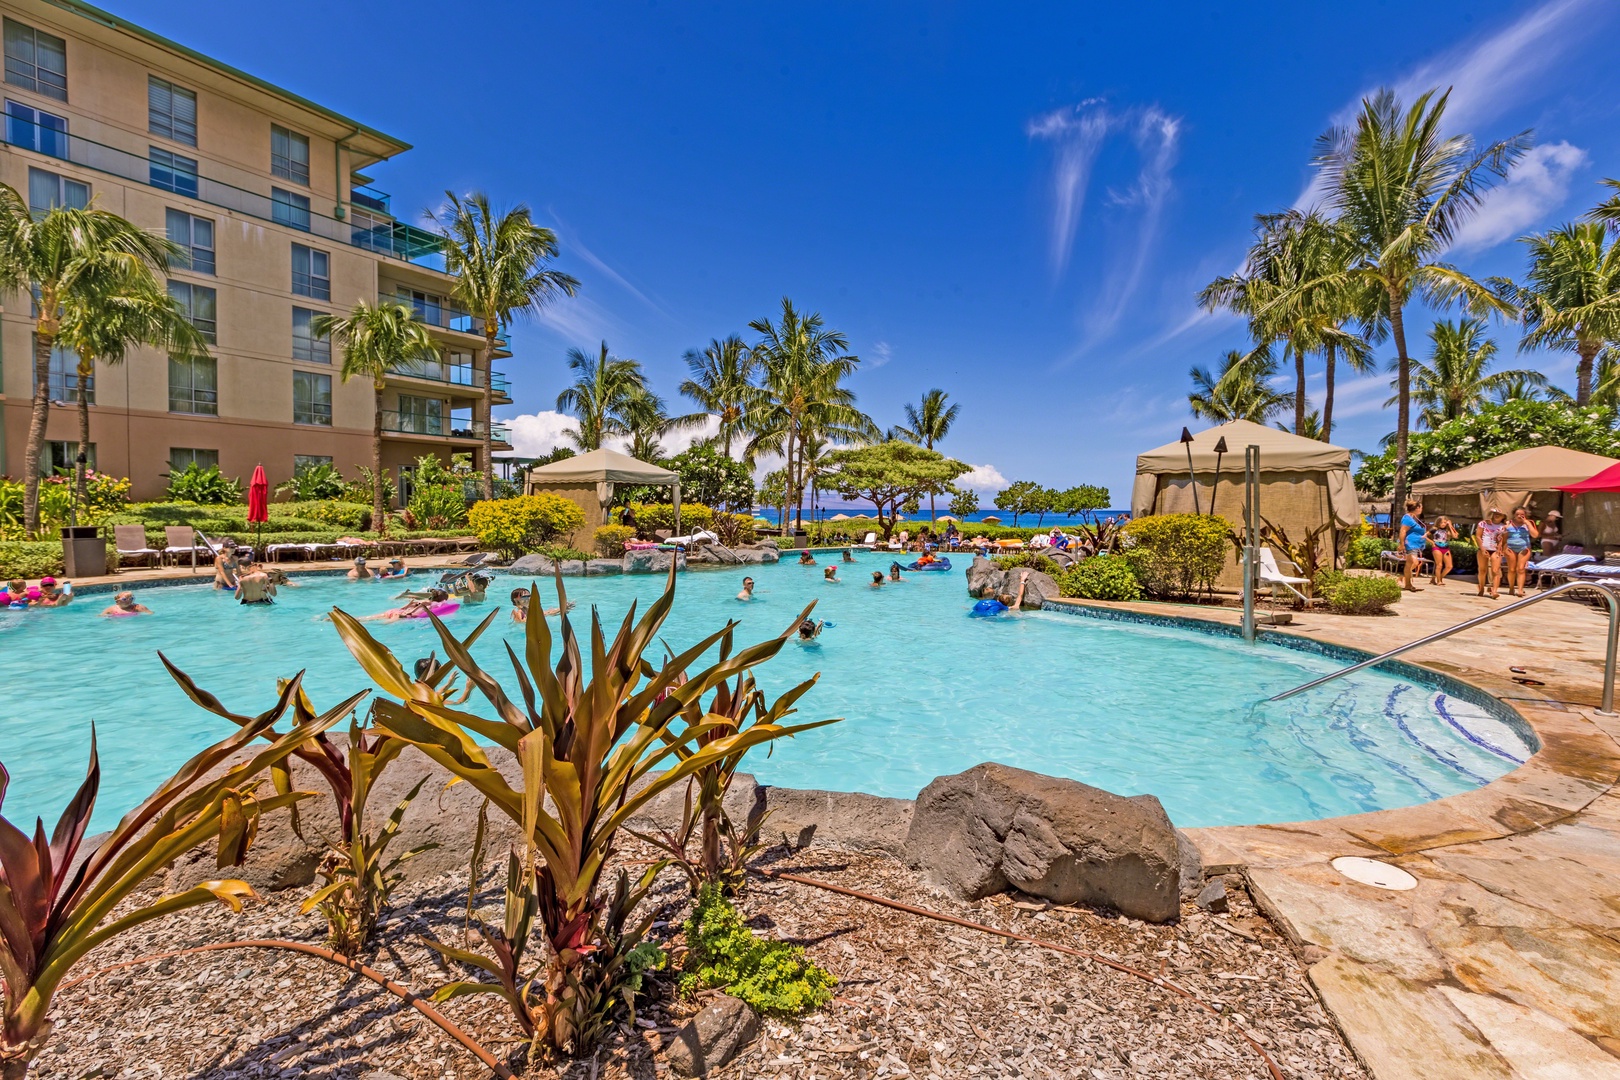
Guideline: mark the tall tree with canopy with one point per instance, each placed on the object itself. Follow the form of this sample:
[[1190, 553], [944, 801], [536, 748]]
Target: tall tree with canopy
[[722, 383], [608, 395], [1571, 296], [376, 338], [1240, 389], [1457, 379], [500, 264], [927, 423], [889, 475], [1401, 189]]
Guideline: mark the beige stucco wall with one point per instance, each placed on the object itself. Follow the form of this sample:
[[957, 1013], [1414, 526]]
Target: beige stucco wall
[[582, 495]]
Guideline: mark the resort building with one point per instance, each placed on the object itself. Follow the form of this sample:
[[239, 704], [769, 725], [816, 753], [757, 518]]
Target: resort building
[[267, 193]]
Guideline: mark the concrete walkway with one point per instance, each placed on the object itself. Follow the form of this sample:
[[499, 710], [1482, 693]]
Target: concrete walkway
[[1504, 961]]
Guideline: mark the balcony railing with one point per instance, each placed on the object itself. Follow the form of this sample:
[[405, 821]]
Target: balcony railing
[[452, 374], [370, 198], [440, 427], [439, 315], [364, 229]]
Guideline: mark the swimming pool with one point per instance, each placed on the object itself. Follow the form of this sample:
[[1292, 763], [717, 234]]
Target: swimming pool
[[925, 690]]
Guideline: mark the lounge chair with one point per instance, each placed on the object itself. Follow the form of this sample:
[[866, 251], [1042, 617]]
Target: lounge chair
[[1595, 572], [130, 542], [1271, 575], [698, 536], [868, 543], [180, 542], [1556, 566]]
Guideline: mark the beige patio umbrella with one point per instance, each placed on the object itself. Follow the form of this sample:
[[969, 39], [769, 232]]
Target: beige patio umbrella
[[840, 517]]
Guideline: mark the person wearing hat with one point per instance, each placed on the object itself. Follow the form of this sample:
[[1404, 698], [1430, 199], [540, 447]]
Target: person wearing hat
[[50, 595], [361, 571], [395, 569]]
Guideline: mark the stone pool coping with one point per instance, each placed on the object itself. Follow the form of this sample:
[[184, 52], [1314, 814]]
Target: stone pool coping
[[1504, 961]]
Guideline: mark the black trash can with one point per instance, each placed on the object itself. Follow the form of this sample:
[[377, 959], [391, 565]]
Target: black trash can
[[84, 551]]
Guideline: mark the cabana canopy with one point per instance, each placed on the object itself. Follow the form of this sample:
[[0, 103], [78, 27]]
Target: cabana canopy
[[596, 471], [1607, 480], [1538, 468]]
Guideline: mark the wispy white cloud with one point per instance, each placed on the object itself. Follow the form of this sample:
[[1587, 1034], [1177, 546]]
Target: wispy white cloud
[[1538, 185], [1078, 132], [1156, 134], [881, 354], [580, 321]]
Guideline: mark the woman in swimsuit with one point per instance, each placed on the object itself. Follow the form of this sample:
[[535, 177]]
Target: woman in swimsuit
[[1488, 535], [225, 565], [1414, 538], [1440, 538], [1520, 532]]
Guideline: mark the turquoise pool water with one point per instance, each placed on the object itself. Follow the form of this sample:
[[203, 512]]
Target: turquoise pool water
[[924, 688]]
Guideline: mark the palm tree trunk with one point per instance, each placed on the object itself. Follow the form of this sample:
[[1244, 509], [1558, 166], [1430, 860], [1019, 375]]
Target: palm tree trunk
[[787, 477], [379, 514], [1403, 406], [1587, 351], [81, 458], [489, 407], [1327, 395], [36, 429], [1299, 390]]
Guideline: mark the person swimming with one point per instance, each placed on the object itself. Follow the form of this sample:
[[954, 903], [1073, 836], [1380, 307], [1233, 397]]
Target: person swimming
[[849, 556], [360, 571], [414, 609], [51, 595], [520, 605], [255, 587], [809, 630], [395, 569], [877, 579], [747, 590], [830, 575], [17, 593], [806, 559], [894, 572], [995, 605], [124, 604]]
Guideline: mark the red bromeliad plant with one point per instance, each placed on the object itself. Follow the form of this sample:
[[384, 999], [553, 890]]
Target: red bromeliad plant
[[586, 747], [53, 907]]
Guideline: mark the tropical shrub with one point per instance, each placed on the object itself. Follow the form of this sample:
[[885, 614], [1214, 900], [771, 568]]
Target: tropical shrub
[[1357, 594], [105, 493], [206, 487], [30, 558], [439, 498], [609, 539], [1101, 577], [1175, 555], [651, 517], [1028, 560], [712, 478], [1365, 551], [589, 752], [343, 514], [1493, 430], [54, 910], [773, 977], [311, 483], [735, 530], [359, 489], [518, 525]]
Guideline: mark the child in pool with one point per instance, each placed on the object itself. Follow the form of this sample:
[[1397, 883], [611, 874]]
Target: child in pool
[[830, 575], [124, 604]]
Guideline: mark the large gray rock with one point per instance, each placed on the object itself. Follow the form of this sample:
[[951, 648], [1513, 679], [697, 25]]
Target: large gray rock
[[763, 552], [993, 826], [985, 578], [597, 567], [542, 566], [982, 576], [652, 561], [840, 819], [713, 1037]]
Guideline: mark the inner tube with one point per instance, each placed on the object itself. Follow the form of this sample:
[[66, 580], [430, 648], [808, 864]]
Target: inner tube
[[941, 563]]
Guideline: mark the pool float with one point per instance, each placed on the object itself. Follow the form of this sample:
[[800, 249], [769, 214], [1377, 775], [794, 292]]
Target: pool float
[[118, 613], [937, 564], [448, 607], [987, 608]]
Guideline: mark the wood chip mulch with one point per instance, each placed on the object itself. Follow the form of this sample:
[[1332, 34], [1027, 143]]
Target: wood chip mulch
[[916, 998]]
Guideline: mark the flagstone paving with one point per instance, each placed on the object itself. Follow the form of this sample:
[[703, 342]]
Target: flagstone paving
[[1504, 961]]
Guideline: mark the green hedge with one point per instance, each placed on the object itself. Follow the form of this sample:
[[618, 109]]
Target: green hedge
[[1177, 555], [30, 558], [1357, 594], [1101, 577]]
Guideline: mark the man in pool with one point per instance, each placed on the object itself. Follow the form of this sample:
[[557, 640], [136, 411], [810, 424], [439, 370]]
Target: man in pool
[[806, 559], [849, 556], [254, 587], [124, 604], [877, 579], [360, 571], [747, 590], [991, 606], [809, 630]]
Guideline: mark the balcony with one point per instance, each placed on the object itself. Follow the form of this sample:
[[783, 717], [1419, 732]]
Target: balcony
[[366, 228], [438, 315], [370, 198], [450, 374], [395, 422]]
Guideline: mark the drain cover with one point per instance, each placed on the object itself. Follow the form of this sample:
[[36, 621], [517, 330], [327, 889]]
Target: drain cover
[[1380, 875]]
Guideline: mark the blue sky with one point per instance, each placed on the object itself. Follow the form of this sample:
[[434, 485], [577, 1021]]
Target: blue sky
[[1016, 203]]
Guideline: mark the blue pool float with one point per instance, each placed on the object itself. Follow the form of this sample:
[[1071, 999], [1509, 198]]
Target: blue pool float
[[938, 564]]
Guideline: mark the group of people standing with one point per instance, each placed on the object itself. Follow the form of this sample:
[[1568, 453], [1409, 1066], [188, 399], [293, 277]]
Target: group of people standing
[[1505, 546]]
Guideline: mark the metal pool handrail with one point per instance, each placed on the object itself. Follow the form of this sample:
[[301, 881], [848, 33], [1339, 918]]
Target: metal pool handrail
[[1608, 663]]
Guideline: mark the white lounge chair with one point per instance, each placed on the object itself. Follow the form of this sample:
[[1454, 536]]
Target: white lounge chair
[[1271, 575], [698, 536], [867, 543], [130, 542]]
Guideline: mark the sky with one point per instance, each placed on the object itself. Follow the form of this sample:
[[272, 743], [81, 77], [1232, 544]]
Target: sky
[[1015, 203]]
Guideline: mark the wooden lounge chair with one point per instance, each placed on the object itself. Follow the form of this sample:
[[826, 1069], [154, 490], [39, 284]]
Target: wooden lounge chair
[[130, 543]]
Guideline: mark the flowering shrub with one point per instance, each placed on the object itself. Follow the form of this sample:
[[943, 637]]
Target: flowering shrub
[[1175, 555], [516, 526], [610, 540]]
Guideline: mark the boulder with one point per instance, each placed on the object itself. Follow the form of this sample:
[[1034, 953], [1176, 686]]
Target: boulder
[[985, 578], [841, 819], [652, 561], [713, 1037], [604, 566], [1213, 898], [542, 565], [993, 826], [765, 552]]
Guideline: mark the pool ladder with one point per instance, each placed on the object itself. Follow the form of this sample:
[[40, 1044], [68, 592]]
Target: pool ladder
[[1608, 595]]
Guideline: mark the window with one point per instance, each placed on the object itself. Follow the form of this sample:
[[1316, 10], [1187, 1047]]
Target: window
[[306, 346], [36, 60], [194, 234], [46, 190], [171, 111], [197, 302], [35, 129], [311, 272], [171, 172], [289, 155], [309, 461], [421, 416], [312, 398], [64, 375], [182, 456], [194, 387], [289, 209], [60, 457]]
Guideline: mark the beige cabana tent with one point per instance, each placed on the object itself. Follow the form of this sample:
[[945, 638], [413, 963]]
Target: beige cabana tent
[[588, 480], [1304, 484], [1520, 478]]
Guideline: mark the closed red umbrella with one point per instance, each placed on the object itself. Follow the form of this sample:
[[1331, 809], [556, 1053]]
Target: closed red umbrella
[[258, 500]]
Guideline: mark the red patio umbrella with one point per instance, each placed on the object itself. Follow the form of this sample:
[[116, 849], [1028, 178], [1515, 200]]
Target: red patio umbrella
[[258, 501], [1607, 480]]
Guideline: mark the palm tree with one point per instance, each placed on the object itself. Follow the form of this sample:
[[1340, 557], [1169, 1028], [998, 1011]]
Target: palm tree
[[1514, 388], [120, 308], [1311, 429], [55, 255], [1401, 189], [1571, 299], [1240, 390], [1455, 382], [802, 393], [722, 383], [499, 261], [376, 338], [609, 394], [928, 423]]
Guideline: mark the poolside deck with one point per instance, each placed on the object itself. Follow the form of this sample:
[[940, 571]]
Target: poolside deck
[[1504, 961]]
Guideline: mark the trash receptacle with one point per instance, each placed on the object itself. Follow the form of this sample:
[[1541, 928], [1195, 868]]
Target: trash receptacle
[[84, 551]]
